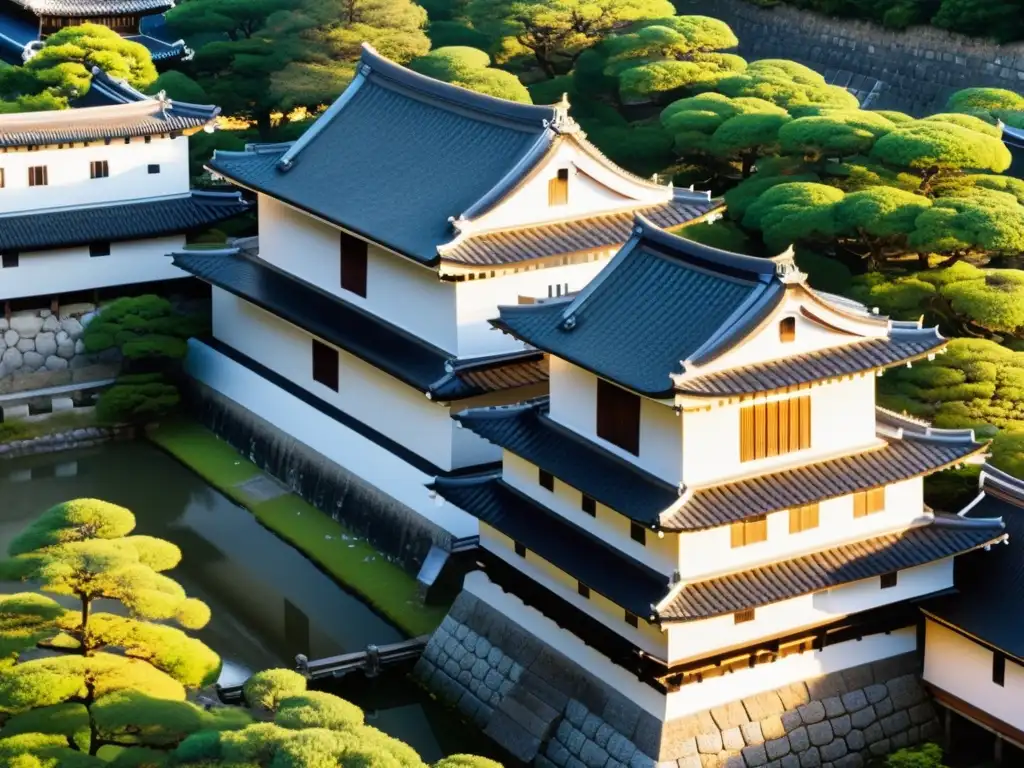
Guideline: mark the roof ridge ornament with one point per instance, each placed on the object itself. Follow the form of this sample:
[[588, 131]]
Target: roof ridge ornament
[[786, 269], [562, 123]]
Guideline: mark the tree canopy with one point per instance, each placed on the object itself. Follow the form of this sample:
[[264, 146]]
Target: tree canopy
[[62, 69], [471, 68]]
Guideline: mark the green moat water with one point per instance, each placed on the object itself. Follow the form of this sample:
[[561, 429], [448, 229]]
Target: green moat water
[[269, 602]]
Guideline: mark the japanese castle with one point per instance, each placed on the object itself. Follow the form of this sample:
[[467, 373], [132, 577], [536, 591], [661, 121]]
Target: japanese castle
[[707, 511], [24, 24], [389, 234], [95, 197]]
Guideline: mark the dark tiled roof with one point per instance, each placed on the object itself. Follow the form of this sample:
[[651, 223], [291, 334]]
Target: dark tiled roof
[[945, 537], [79, 8], [989, 603], [65, 227], [527, 431], [606, 231], [159, 50], [900, 459], [369, 338], [661, 300], [110, 110], [865, 355], [621, 579], [396, 156], [492, 374]]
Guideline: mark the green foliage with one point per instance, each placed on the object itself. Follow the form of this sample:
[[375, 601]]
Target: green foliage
[[926, 144], [466, 761], [720, 234], [555, 33], [796, 212], [314, 709], [444, 33], [268, 688], [178, 86], [967, 121], [840, 133], [470, 68], [924, 756], [126, 402]]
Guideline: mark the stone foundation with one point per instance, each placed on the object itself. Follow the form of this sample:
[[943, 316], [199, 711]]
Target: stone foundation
[[545, 708], [39, 349]]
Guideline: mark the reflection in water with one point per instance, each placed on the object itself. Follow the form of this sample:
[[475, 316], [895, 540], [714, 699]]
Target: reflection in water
[[269, 603]]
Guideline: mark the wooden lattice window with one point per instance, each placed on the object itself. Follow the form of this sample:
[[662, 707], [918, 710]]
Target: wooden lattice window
[[750, 531], [803, 518], [774, 428], [868, 502], [558, 188], [787, 329]]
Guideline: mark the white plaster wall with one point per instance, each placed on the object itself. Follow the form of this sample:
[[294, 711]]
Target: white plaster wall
[[607, 525], [592, 189], [811, 336], [336, 442], [842, 422], [693, 639], [699, 696], [376, 399], [397, 290], [963, 668], [705, 553], [615, 623], [62, 270], [477, 301], [68, 174], [574, 405]]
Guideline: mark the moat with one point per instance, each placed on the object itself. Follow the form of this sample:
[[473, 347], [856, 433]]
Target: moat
[[269, 603]]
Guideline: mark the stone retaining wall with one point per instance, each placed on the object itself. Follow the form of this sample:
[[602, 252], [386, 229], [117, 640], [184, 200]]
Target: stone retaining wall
[[544, 708], [85, 437], [919, 66], [39, 349]]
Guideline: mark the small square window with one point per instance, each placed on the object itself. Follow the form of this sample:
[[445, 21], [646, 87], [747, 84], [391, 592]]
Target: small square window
[[741, 617], [583, 589], [99, 169], [9, 259], [546, 480], [153, 168], [638, 533], [99, 249], [889, 580], [787, 329], [37, 176], [520, 549], [589, 505], [998, 668], [632, 619]]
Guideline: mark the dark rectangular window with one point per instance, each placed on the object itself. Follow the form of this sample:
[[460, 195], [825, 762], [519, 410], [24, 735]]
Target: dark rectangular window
[[749, 531], [589, 505], [632, 619], [325, 365], [99, 249], [153, 168], [998, 668], [638, 533], [10, 259], [741, 617], [99, 169], [353, 264], [37, 176], [546, 480], [889, 580], [771, 429], [583, 589], [520, 549], [618, 416]]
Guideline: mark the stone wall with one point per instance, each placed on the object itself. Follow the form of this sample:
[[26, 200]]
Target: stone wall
[[920, 66], [39, 349], [543, 707]]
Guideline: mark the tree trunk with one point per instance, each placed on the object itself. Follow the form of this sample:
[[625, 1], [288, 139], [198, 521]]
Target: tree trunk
[[546, 66], [86, 605], [94, 736], [748, 164], [263, 124]]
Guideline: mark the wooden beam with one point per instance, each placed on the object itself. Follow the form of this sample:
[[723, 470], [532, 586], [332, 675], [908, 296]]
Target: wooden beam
[[979, 716]]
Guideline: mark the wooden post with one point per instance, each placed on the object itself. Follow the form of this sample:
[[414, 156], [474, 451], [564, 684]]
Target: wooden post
[[7, 310], [55, 305], [997, 755], [947, 728]]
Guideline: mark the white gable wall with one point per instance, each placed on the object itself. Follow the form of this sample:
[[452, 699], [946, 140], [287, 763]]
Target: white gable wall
[[405, 294], [574, 405], [593, 189], [381, 402], [963, 668], [842, 422], [63, 270], [708, 552], [693, 639], [68, 174], [477, 301]]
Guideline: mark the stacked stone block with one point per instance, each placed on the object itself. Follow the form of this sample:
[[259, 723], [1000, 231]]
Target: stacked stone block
[[544, 708]]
